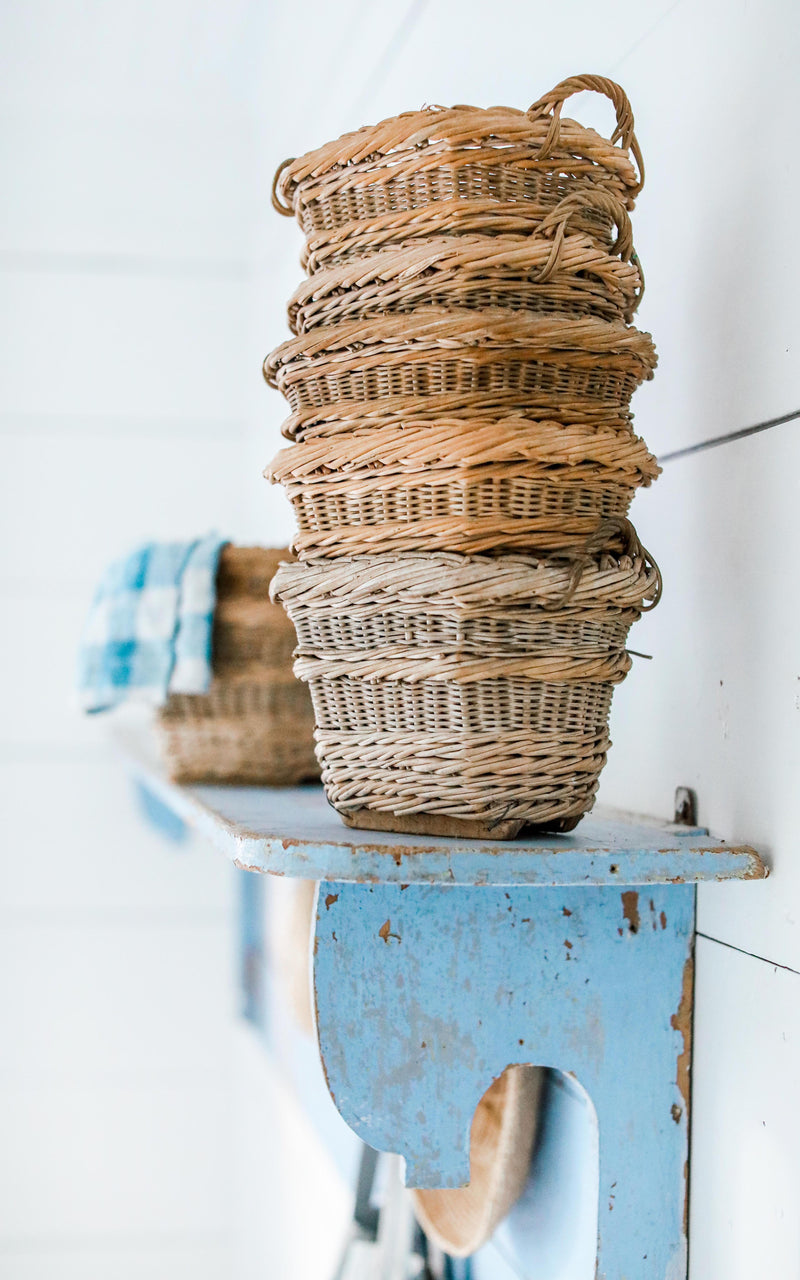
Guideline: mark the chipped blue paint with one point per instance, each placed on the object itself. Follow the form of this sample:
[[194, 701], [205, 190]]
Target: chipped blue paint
[[426, 994], [431, 978]]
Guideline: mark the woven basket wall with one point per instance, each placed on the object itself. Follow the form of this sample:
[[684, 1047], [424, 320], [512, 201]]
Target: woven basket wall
[[256, 723], [458, 487]]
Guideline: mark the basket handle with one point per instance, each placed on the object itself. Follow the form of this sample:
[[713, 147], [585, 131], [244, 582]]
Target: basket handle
[[552, 103], [598, 541], [558, 219], [561, 214], [286, 209]]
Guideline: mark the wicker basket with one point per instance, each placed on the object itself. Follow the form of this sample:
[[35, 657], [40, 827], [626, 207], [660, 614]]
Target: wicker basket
[[441, 486], [550, 272], [328, 422], [421, 158], [469, 689], [411, 228], [256, 723], [493, 359]]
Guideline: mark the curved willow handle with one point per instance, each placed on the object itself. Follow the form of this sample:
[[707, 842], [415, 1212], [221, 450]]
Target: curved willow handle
[[286, 209], [559, 217], [562, 213], [553, 102], [598, 541]]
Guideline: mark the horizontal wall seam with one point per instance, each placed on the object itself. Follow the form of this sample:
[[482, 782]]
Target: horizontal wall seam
[[752, 954], [729, 436]]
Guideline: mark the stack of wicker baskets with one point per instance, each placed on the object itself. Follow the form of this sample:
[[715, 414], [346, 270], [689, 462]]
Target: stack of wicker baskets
[[256, 723], [464, 459]]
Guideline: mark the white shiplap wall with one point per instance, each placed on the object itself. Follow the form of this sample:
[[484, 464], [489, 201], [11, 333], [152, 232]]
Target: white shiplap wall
[[132, 1132], [144, 276]]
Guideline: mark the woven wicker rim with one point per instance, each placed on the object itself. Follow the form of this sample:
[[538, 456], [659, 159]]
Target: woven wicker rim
[[441, 580], [447, 444], [438, 132], [326, 422], [360, 343]]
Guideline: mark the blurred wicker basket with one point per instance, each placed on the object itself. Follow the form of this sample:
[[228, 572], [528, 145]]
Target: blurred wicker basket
[[551, 271], [421, 158], [493, 359], [440, 697], [441, 486], [256, 723]]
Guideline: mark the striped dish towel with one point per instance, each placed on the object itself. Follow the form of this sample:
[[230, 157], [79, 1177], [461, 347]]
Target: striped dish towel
[[148, 633]]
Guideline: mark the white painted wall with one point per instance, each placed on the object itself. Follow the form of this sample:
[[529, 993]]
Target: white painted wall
[[144, 276], [141, 1133]]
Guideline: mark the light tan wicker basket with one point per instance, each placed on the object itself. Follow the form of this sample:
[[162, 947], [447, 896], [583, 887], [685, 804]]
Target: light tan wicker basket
[[470, 690], [420, 158], [495, 358], [552, 271], [443, 486], [256, 723]]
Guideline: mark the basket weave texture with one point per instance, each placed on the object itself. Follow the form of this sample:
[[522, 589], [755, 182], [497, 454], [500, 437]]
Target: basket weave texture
[[420, 158], [475, 687], [464, 459], [256, 723]]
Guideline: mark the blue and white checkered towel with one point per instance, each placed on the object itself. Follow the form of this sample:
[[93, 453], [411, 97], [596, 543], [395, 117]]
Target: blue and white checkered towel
[[149, 628]]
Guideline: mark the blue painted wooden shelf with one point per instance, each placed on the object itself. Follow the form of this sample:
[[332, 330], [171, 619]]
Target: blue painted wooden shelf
[[439, 961], [294, 832]]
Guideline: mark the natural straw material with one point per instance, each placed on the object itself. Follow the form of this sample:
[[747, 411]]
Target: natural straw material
[[421, 157], [499, 506], [255, 725], [242, 732], [438, 690], [487, 358], [552, 271], [592, 213], [503, 1130], [326, 422], [439, 485]]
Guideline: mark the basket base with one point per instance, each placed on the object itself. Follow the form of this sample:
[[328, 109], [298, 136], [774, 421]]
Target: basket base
[[440, 824]]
